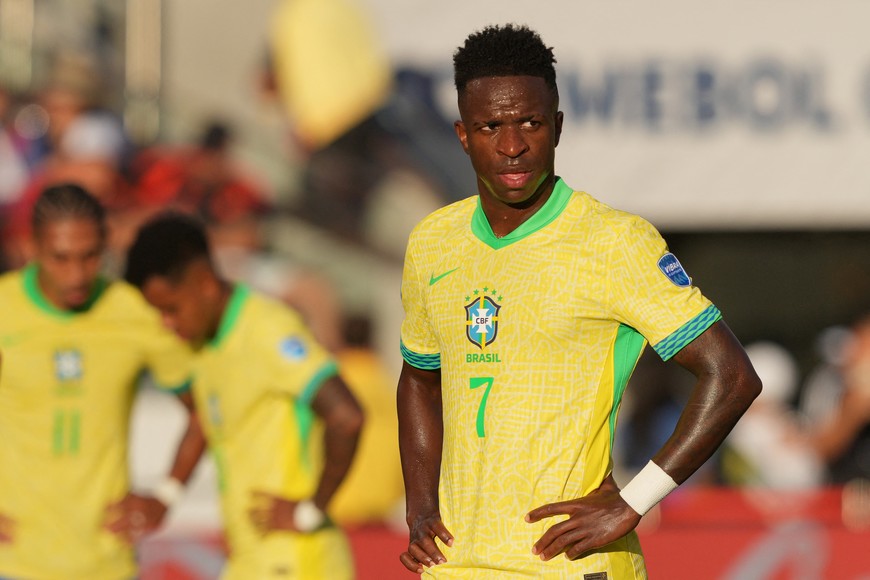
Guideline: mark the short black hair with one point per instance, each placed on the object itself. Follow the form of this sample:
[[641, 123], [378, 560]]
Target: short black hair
[[165, 246], [502, 51], [65, 201]]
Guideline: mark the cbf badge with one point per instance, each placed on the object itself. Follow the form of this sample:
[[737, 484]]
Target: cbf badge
[[671, 267], [68, 365], [481, 317]]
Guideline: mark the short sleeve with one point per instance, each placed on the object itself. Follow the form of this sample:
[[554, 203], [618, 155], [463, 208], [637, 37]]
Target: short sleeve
[[297, 365], [168, 359], [650, 291], [418, 343]]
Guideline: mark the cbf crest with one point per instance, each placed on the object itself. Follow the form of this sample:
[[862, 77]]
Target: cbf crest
[[481, 316]]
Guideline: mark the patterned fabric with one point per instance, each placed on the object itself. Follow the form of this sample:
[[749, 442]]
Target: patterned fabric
[[66, 387], [537, 334], [253, 386]]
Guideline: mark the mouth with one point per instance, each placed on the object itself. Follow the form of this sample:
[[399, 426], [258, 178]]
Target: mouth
[[515, 178], [77, 296]]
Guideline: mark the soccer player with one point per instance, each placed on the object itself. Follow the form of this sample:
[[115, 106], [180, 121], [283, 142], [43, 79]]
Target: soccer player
[[74, 346], [260, 383], [526, 309]]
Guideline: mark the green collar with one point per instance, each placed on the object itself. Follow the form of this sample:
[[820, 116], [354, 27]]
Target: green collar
[[231, 314], [551, 209], [30, 277]]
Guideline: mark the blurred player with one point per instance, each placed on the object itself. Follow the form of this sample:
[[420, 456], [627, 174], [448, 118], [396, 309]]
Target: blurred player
[[526, 310], [74, 346], [260, 383]]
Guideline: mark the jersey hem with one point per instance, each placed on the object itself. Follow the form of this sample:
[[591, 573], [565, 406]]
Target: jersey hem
[[691, 330]]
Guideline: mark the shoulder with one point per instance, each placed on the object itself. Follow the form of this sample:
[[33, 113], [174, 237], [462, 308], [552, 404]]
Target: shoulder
[[607, 222], [123, 301], [444, 222], [264, 317], [10, 283]]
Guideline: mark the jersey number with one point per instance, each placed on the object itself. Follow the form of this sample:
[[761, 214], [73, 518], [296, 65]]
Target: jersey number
[[474, 383], [67, 432]]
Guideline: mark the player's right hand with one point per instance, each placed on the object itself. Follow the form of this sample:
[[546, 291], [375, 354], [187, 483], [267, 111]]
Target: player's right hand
[[422, 550], [7, 529]]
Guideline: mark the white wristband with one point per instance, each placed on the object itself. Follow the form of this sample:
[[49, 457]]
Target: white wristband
[[307, 517], [648, 488], [168, 491]]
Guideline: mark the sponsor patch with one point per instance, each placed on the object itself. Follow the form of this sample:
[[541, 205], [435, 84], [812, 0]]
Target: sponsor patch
[[595, 576], [292, 348], [671, 267]]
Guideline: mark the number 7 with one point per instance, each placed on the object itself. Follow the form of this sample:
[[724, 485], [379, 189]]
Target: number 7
[[474, 383]]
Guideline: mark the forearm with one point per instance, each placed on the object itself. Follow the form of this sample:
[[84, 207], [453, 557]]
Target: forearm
[[340, 442], [421, 433], [343, 419], [189, 451]]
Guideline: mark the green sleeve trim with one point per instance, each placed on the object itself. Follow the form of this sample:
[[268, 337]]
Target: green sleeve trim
[[327, 371], [177, 389], [30, 278], [551, 209], [691, 330], [426, 362], [626, 352]]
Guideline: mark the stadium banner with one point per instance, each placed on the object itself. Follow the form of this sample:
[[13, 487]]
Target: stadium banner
[[696, 115], [710, 533]]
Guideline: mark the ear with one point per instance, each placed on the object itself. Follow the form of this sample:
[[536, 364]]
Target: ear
[[558, 125], [459, 127]]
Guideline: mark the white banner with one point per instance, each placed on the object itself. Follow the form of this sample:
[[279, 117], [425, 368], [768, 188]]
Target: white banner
[[714, 114]]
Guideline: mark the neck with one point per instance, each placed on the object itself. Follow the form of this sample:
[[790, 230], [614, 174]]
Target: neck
[[504, 218], [225, 291]]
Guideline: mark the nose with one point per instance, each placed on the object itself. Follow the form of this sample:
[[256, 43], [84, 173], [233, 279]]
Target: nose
[[511, 142]]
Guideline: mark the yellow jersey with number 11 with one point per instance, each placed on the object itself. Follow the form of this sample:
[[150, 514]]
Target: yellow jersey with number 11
[[66, 391], [535, 335]]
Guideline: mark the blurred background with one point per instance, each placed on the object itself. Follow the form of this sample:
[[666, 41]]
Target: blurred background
[[312, 135]]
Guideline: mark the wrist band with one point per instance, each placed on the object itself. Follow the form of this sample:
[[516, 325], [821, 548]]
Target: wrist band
[[648, 488], [168, 491], [307, 516]]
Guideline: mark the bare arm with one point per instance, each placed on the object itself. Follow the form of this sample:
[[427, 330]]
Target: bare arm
[[421, 431], [192, 444], [725, 387], [136, 515], [343, 418], [726, 384]]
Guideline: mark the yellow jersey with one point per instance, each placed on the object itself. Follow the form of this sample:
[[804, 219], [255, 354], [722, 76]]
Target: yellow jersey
[[536, 334], [253, 384], [66, 390]]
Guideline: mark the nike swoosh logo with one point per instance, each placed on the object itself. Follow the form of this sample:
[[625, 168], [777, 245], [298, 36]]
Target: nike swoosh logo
[[433, 278]]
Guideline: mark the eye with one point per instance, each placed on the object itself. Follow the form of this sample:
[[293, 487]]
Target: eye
[[531, 124], [489, 127]]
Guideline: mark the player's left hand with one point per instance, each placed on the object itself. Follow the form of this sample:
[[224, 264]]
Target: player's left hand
[[271, 512], [593, 521], [134, 516]]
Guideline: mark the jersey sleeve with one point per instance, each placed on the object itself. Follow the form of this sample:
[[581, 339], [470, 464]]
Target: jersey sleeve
[[650, 291], [418, 343], [167, 359], [296, 363]]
